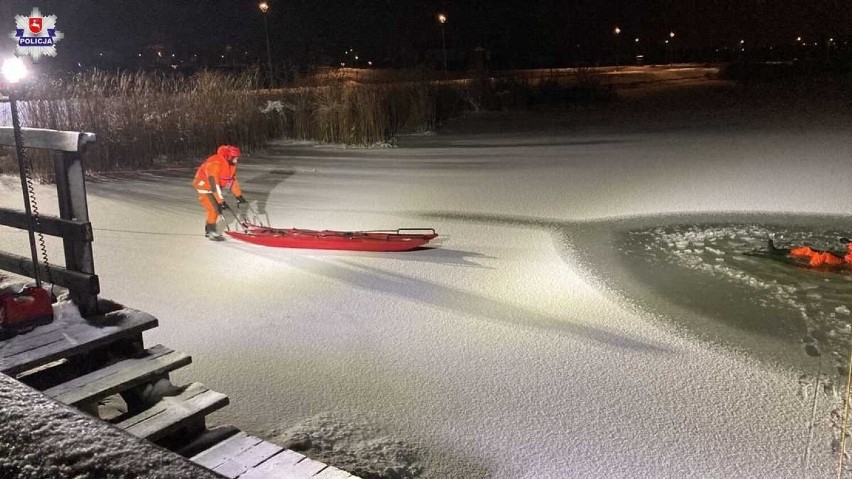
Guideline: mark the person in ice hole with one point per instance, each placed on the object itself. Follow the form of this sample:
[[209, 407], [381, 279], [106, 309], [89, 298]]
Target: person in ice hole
[[217, 172], [815, 257]]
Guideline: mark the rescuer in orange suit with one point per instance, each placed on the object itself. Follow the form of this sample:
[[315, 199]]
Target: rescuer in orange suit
[[817, 257], [217, 172]]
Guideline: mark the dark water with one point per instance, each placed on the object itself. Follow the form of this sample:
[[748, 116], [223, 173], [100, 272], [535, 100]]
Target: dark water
[[695, 272]]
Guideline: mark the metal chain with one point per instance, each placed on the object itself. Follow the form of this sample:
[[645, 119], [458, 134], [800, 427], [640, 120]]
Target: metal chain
[[30, 203]]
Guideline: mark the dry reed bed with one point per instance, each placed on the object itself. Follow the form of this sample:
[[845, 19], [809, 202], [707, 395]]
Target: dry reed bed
[[147, 121]]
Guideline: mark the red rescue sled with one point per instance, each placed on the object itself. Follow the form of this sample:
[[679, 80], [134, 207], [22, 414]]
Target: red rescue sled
[[403, 239]]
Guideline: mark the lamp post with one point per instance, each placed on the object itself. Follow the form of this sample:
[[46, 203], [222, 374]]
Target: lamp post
[[798, 48], [264, 7], [14, 70], [442, 19], [636, 51], [828, 50], [617, 32], [669, 43]]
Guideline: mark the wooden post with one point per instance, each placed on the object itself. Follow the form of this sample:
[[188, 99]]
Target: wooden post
[[71, 189]]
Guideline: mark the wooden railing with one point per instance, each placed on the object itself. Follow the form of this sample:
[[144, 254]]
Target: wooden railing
[[72, 225]]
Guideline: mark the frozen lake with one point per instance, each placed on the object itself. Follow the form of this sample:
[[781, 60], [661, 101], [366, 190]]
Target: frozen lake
[[589, 311]]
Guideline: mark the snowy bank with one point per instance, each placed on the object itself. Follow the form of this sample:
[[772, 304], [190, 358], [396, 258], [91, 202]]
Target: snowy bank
[[41, 438]]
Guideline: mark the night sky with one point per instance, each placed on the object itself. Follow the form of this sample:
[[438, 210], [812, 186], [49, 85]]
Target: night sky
[[397, 31]]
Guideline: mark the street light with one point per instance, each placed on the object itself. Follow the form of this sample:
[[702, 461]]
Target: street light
[[264, 7], [636, 50], [617, 32], [442, 19], [669, 43], [14, 70]]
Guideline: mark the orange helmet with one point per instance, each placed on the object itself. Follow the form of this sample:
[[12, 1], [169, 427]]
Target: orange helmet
[[230, 152]]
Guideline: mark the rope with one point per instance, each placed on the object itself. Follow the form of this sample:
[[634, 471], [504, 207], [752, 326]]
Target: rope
[[845, 419], [105, 174], [155, 233], [813, 413]]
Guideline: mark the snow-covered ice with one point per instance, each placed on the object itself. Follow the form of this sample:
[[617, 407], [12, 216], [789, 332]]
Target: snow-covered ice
[[555, 332]]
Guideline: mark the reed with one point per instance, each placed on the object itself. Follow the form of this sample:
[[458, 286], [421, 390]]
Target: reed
[[150, 120], [146, 120]]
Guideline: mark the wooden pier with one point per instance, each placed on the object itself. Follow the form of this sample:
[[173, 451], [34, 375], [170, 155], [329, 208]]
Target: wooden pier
[[92, 356], [85, 362]]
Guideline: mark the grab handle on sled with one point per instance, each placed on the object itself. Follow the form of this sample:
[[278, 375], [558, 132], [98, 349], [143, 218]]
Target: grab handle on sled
[[403, 231], [430, 230], [256, 220], [240, 222]]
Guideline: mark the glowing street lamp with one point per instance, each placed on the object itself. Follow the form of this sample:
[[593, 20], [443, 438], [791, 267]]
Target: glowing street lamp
[[636, 49], [669, 44], [264, 7], [617, 32], [442, 19], [14, 71]]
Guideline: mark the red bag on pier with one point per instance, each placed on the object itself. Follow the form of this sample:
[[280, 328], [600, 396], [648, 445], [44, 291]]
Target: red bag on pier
[[30, 307]]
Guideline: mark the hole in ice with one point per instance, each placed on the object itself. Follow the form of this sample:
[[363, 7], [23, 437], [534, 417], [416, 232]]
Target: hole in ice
[[717, 281]]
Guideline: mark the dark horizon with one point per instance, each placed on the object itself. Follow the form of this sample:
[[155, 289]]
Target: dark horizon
[[400, 33]]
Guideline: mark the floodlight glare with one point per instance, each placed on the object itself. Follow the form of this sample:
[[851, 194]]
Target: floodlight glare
[[14, 70]]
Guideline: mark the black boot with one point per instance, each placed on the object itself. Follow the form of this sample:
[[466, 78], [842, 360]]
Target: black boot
[[211, 233]]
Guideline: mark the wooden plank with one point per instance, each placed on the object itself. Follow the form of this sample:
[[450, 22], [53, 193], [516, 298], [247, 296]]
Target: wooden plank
[[69, 337], [305, 468], [271, 467], [225, 450], [231, 469], [72, 333], [285, 468], [333, 473], [257, 454], [119, 376], [49, 225], [71, 195], [206, 440], [73, 280], [237, 465], [172, 412], [47, 139]]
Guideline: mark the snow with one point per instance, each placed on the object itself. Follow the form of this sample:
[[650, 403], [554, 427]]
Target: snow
[[587, 313], [40, 438]]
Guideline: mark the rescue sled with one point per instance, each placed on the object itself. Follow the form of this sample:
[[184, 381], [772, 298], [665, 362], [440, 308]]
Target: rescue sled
[[403, 239]]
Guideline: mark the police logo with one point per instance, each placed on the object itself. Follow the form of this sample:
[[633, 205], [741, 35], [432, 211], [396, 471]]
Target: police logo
[[36, 35]]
